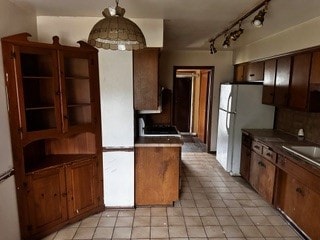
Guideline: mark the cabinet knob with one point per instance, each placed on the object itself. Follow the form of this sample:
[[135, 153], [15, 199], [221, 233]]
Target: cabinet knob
[[300, 191]]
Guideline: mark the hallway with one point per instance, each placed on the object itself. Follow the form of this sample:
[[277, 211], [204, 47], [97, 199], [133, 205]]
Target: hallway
[[213, 205]]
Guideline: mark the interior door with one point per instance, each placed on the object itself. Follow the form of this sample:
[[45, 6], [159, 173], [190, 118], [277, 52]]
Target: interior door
[[182, 103], [202, 122]]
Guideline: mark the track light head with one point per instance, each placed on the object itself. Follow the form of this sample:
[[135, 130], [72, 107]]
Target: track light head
[[212, 48], [226, 42], [237, 33], [259, 18]]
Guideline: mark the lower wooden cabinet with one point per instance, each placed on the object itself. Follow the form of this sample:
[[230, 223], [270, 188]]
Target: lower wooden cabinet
[[262, 175], [82, 187], [60, 194], [299, 203], [157, 171], [46, 199]]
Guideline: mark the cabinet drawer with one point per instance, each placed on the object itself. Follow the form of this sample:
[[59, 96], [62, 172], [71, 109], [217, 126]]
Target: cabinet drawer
[[269, 154], [306, 177], [257, 147]]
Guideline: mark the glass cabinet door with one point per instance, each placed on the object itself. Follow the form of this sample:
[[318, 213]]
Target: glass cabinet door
[[38, 89], [76, 90]]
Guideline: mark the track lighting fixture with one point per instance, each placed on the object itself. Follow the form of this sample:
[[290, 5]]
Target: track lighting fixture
[[212, 48], [226, 42], [259, 18], [237, 33], [234, 35]]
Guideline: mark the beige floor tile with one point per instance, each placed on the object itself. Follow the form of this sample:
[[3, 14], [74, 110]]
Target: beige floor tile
[[195, 232], [122, 232], [221, 211], [277, 220], [268, 231], [140, 232], [191, 212], [177, 232], [193, 221], [210, 221], [124, 221], [188, 203], [174, 211], [243, 220], [103, 232], [84, 233], [226, 221], [158, 212], [110, 213], [232, 203], [159, 221], [250, 231], [143, 212], [89, 222], [232, 231], [126, 213], [141, 221], [107, 222], [237, 211], [217, 203], [176, 221], [50, 237], [252, 211], [208, 211], [214, 232], [286, 231], [260, 220], [66, 233], [159, 232]]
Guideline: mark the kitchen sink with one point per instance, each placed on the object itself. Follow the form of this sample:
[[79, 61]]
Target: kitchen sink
[[310, 153]]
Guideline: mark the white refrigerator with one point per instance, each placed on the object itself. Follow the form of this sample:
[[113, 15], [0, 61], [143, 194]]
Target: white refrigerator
[[239, 107]]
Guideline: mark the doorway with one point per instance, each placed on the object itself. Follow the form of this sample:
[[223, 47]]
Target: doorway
[[192, 101]]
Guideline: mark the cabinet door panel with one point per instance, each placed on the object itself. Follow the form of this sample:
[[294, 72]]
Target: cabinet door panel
[[299, 203], [282, 81], [254, 71], [254, 170], [46, 199], [300, 81], [145, 79], [38, 90], [269, 81], [81, 186], [156, 175], [267, 179]]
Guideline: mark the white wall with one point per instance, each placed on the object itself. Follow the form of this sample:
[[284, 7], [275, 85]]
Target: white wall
[[295, 38], [222, 61], [13, 20]]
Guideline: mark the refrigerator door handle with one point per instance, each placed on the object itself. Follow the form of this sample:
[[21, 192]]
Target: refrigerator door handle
[[228, 123], [228, 103]]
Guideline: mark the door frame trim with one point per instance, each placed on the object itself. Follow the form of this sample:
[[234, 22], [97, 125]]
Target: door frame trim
[[209, 98]]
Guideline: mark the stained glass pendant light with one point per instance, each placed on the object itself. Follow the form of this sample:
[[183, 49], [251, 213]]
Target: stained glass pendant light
[[116, 32]]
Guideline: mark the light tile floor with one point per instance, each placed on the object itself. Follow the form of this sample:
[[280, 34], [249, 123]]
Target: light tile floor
[[213, 205]]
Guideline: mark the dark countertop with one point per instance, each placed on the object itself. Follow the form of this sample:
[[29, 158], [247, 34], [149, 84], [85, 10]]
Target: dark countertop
[[275, 139], [158, 142]]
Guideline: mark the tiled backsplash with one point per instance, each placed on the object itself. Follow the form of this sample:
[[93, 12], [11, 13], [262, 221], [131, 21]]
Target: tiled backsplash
[[291, 121]]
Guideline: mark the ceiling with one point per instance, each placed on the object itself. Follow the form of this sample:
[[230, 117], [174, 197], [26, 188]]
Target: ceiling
[[189, 24]]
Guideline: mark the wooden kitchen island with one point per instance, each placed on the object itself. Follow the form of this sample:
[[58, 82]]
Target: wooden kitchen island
[[157, 170]]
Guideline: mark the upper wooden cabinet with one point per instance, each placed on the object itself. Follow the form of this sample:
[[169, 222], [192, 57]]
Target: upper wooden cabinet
[[314, 83], [281, 95], [276, 81], [254, 71], [145, 79], [300, 81], [249, 72], [53, 86], [270, 67], [239, 70], [55, 126]]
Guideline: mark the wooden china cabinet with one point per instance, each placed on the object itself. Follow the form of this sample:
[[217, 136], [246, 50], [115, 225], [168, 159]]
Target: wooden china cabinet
[[54, 115]]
